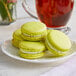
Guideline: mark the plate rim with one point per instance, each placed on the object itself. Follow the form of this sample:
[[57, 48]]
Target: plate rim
[[34, 61]]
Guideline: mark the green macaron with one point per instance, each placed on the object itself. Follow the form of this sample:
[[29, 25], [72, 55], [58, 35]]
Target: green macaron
[[57, 43], [17, 38], [31, 49], [15, 43], [33, 31]]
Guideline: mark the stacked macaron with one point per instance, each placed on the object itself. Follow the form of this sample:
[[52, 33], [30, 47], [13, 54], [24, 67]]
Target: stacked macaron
[[34, 31], [29, 40], [31, 50], [17, 38], [33, 37]]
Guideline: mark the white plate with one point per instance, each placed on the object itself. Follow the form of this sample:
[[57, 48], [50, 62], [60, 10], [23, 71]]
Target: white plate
[[11, 51]]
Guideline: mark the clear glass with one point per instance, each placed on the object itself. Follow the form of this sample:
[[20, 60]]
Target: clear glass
[[7, 12], [54, 13]]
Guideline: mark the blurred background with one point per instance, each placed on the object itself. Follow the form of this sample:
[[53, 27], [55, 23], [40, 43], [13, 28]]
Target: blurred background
[[21, 13]]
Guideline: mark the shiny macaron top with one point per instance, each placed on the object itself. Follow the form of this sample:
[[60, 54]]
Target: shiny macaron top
[[28, 46], [33, 28]]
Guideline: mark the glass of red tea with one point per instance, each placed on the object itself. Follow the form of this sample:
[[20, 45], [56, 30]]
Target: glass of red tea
[[54, 13]]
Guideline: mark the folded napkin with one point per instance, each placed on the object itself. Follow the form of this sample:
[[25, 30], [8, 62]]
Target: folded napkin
[[66, 69]]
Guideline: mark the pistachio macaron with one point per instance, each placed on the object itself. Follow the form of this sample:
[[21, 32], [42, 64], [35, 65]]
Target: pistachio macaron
[[57, 43], [17, 38], [33, 31], [31, 50]]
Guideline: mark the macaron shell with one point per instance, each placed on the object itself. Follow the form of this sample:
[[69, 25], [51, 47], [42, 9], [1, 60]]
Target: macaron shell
[[33, 28], [31, 56], [59, 40], [17, 35], [15, 43], [32, 46]]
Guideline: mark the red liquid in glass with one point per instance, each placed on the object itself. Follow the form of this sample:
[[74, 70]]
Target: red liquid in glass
[[54, 13]]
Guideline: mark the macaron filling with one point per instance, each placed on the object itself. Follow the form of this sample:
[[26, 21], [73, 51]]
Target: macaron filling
[[51, 47], [28, 52], [31, 35]]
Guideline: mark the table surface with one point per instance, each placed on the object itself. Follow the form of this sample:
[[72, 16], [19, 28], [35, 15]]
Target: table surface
[[9, 66]]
